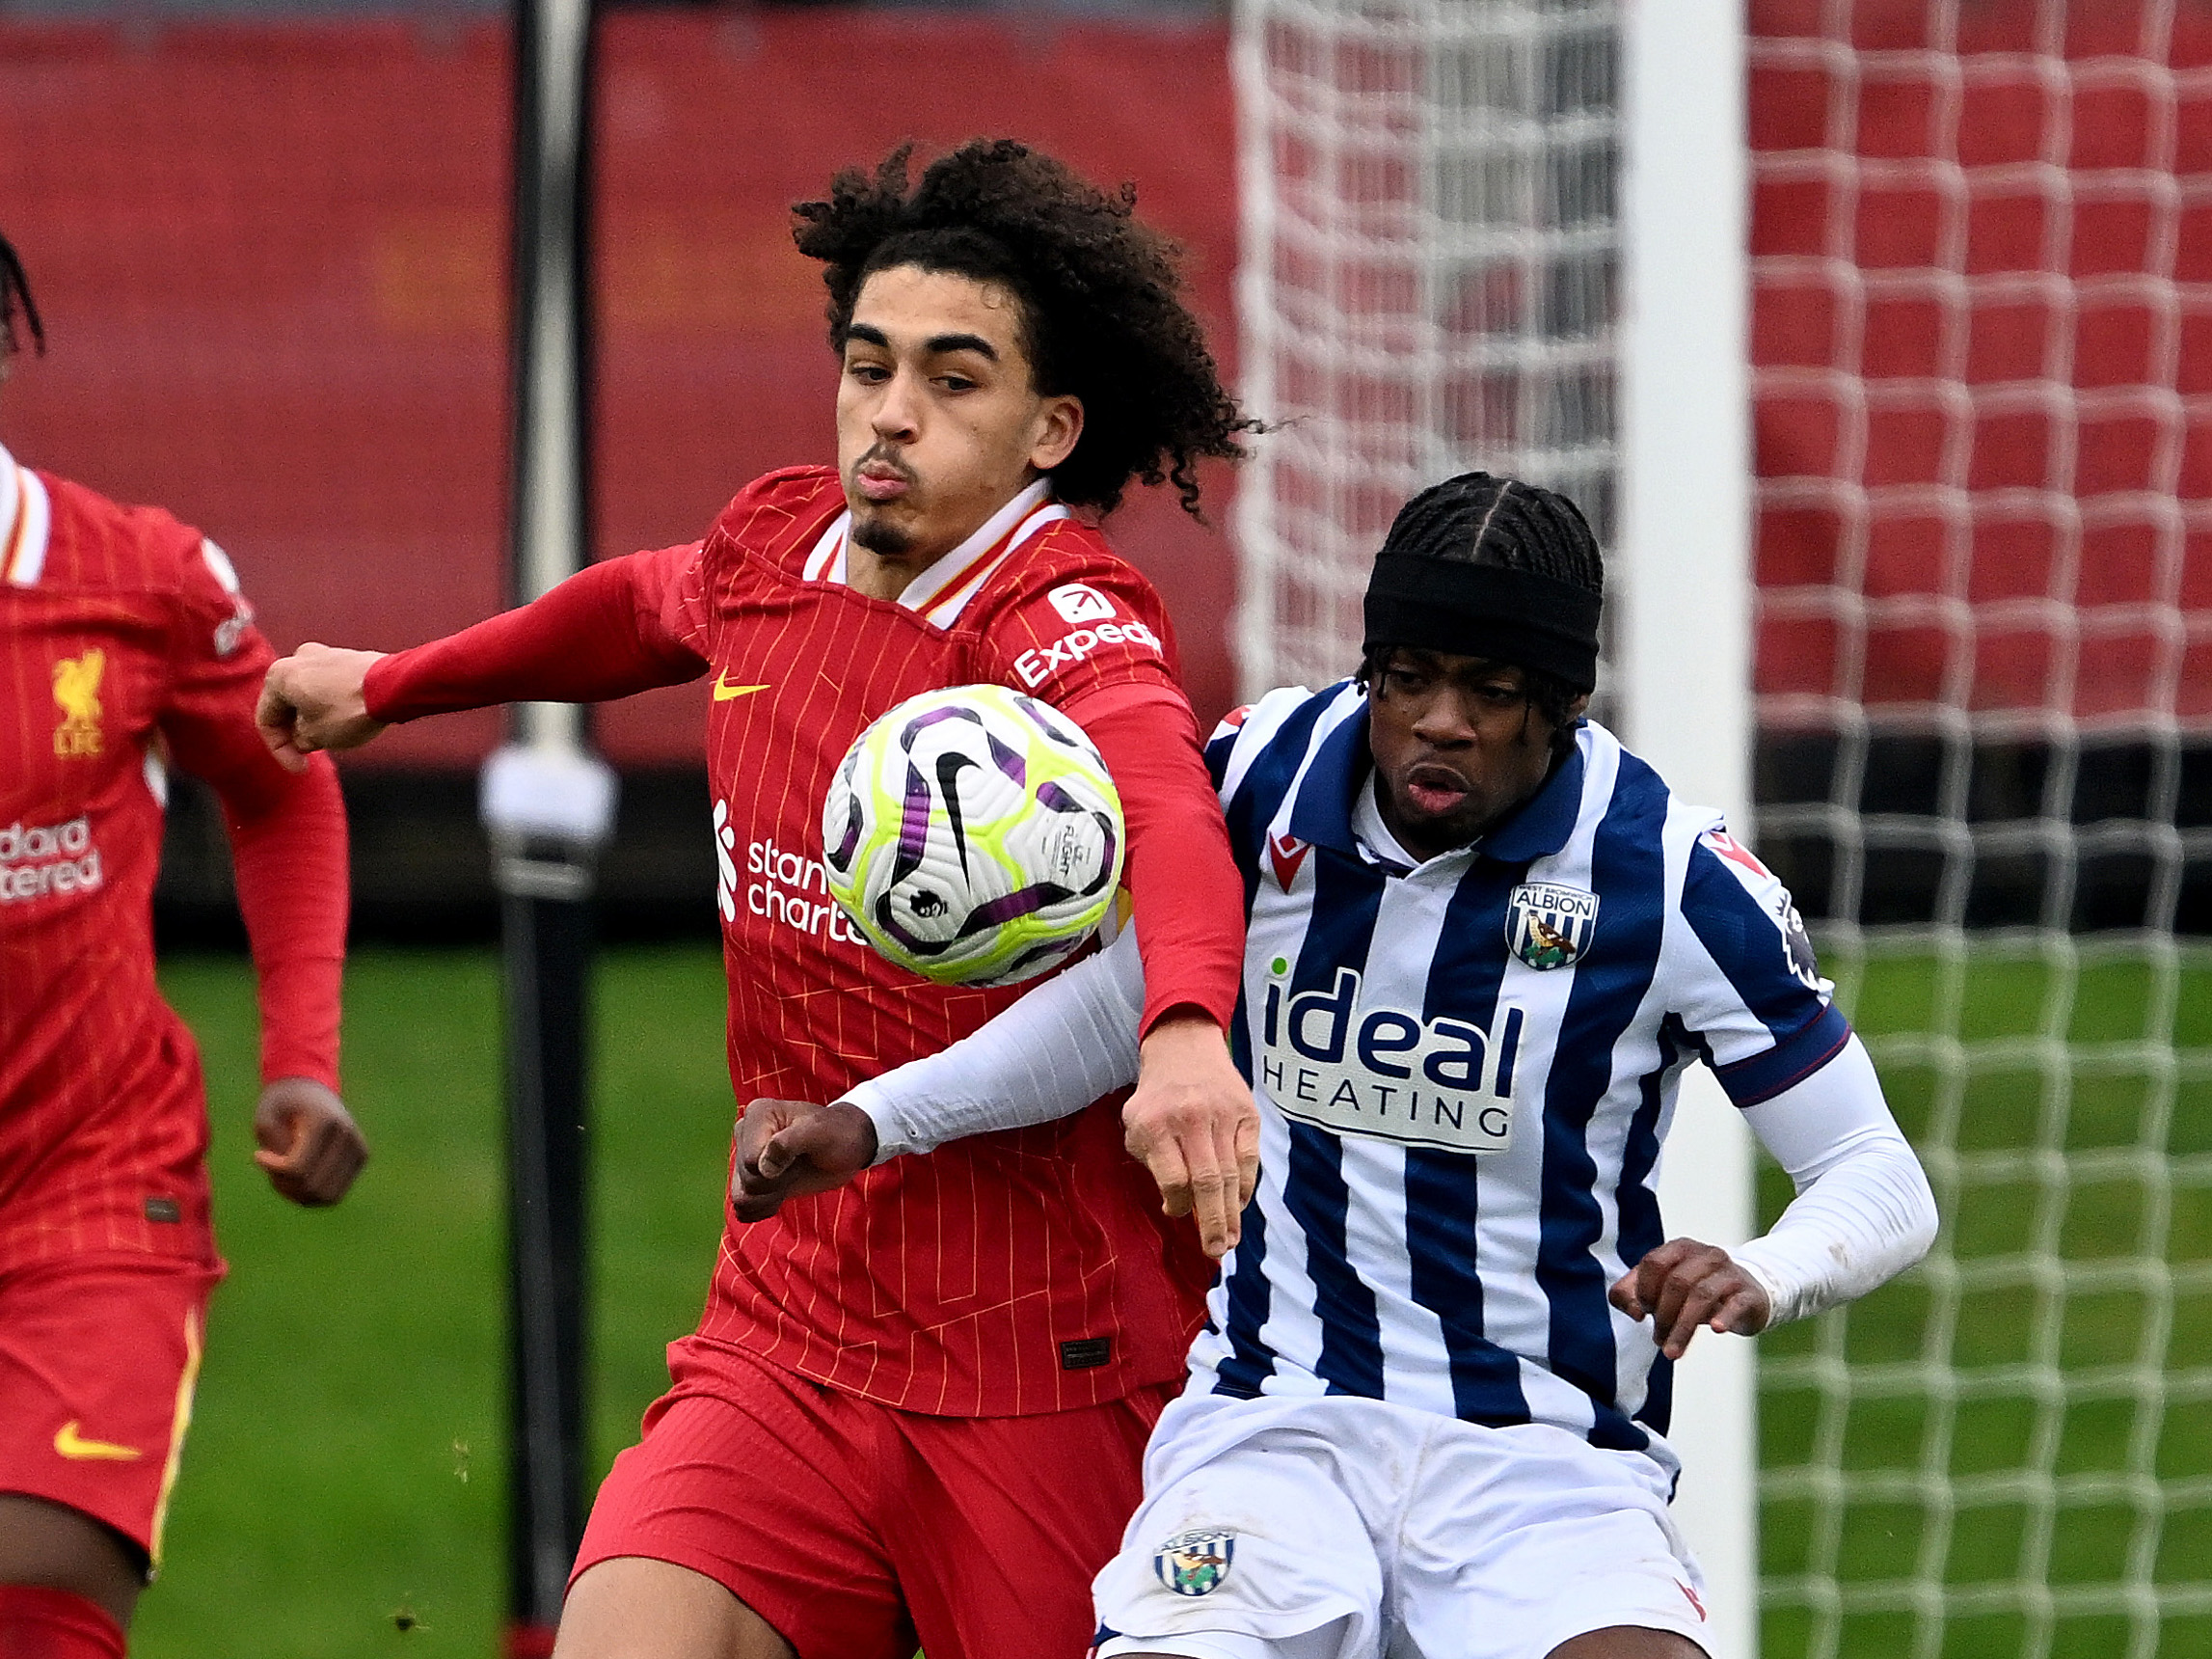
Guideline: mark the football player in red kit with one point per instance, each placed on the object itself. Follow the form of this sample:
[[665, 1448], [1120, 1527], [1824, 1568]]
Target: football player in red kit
[[914, 1409], [125, 647]]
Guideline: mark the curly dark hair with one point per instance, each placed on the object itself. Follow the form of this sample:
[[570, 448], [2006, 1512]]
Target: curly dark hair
[[1103, 318], [15, 301]]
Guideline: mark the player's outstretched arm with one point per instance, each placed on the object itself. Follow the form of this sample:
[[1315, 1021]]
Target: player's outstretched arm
[[1863, 1214], [1065, 1044], [1062, 1045], [624, 625], [308, 1142]]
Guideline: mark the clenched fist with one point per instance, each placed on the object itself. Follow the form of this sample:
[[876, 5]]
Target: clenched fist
[[312, 699]]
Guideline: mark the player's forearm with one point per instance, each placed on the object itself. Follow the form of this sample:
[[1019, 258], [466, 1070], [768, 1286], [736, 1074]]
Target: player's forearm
[[1863, 1212], [289, 848], [1062, 1047], [1182, 881], [592, 638]]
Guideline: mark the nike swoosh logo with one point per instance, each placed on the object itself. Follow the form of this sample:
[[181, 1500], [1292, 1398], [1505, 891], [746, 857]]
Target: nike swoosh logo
[[69, 1444], [724, 691]]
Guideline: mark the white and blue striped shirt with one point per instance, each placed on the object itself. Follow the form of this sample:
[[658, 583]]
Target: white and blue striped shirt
[[1464, 1069]]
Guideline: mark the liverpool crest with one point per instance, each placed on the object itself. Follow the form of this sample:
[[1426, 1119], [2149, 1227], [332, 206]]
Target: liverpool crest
[[1549, 925], [1195, 1564], [77, 694]]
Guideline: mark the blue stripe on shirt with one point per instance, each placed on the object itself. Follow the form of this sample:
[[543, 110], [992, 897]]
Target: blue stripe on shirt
[[1443, 1198], [1314, 1191], [1628, 865], [1641, 1228], [1746, 943], [1259, 796], [1443, 1189], [1245, 1291], [1348, 896], [1249, 1364]]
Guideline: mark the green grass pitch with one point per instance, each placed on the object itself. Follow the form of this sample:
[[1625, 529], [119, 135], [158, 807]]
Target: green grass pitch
[[341, 1494], [345, 1471]]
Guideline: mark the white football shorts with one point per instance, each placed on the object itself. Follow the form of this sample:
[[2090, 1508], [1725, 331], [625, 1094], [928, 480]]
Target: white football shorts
[[1342, 1528]]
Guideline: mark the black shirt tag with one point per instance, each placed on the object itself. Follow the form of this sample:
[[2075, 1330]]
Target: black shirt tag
[[164, 1210], [1085, 1354]]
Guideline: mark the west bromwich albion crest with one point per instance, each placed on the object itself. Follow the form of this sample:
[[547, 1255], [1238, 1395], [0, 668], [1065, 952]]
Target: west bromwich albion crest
[[1193, 1563], [1549, 925]]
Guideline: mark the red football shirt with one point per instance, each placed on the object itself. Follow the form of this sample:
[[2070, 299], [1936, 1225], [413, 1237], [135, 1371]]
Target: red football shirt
[[1006, 1275], [125, 642]]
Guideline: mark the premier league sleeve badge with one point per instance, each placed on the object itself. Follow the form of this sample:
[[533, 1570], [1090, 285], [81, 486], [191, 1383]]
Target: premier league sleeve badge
[[1547, 925], [1195, 1564]]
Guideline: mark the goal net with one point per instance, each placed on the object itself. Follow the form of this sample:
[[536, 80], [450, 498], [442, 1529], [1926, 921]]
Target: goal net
[[1427, 287], [1982, 298], [1980, 253]]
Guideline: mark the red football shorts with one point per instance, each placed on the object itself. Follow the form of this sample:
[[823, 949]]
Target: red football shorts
[[860, 1532], [98, 1365]]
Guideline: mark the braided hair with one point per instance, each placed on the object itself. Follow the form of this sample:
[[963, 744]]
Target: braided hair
[[1102, 315], [1478, 519], [15, 301]]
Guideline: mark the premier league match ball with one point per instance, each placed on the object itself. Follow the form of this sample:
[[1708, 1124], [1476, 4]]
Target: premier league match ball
[[974, 835]]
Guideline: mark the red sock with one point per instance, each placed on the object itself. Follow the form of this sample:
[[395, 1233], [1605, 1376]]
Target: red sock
[[54, 1624]]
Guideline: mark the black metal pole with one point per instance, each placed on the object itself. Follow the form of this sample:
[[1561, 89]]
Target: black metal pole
[[548, 963], [549, 805]]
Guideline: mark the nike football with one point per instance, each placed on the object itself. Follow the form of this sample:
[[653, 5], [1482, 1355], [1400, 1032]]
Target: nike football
[[974, 835]]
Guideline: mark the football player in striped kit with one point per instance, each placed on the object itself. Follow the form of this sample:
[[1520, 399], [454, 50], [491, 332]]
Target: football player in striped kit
[[126, 647], [1427, 1413]]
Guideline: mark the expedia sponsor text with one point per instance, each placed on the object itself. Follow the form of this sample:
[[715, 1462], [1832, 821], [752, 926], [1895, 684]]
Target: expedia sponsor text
[[1035, 667]]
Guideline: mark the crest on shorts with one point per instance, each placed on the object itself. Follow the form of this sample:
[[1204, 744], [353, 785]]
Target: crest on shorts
[[1195, 1564], [1549, 925]]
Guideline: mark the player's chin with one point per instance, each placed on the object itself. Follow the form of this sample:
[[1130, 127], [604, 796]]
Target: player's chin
[[886, 527]]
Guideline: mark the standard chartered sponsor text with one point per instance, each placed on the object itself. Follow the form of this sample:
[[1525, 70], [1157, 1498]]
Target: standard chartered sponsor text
[[787, 890], [39, 859]]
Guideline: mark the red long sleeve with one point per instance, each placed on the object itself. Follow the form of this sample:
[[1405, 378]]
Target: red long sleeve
[[291, 855], [1182, 881], [287, 842], [621, 626]]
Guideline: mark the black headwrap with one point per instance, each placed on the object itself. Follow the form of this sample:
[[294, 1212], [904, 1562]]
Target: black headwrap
[[1429, 591]]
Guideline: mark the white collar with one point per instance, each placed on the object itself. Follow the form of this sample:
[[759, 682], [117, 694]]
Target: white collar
[[9, 499], [1372, 834], [943, 589], [26, 517]]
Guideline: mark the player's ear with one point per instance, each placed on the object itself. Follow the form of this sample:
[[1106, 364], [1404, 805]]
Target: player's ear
[[1058, 428]]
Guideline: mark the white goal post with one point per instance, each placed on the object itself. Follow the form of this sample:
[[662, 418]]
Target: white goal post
[[1683, 641]]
